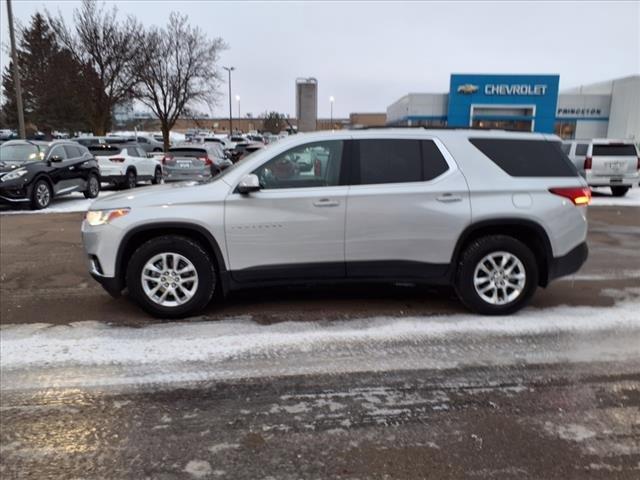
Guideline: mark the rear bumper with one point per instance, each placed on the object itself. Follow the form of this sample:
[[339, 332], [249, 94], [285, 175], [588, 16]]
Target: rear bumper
[[622, 180], [569, 263]]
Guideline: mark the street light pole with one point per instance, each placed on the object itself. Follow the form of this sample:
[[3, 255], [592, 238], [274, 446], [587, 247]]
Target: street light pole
[[230, 69], [16, 72], [238, 100], [331, 100]]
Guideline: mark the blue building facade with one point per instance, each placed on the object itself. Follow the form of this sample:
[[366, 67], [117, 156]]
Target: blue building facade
[[522, 102]]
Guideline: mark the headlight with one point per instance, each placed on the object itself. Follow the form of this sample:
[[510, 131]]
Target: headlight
[[102, 217], [20, 172]]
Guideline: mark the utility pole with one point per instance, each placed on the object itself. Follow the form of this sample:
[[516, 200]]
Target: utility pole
[[16, 72], [230, 69]]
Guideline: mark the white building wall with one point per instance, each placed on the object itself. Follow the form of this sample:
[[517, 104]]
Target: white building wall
[[418, 104], [587, 129], [624, 119]]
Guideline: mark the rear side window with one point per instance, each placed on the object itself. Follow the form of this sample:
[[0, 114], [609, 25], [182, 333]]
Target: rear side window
[[581, 149], [399, 161], [566, 148], [526, 158], [73, 151], [614, 150]]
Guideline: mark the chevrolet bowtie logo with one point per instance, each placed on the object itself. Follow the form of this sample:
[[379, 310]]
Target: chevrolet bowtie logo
[[467, 88]]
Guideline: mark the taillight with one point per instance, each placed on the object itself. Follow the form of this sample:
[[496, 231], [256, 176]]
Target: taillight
[[578, 195], [167, 158], [587, 163], [117, 159], [206, 160]]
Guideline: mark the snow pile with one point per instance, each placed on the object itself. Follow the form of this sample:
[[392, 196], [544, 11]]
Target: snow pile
[[94, 343]]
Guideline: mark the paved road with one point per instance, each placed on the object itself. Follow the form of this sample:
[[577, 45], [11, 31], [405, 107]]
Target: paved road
[[43, 271], [303, 383]]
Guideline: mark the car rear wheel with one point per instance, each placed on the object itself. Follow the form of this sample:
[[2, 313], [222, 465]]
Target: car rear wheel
[[496, 275], [157, 177], [41, 195], [131, 179], [93, 187], [619, 191], [171, 277]]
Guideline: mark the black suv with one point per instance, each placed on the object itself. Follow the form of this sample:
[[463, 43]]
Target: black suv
[[34, 172]]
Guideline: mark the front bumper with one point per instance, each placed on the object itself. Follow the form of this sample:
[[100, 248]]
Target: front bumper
[[569, 263]]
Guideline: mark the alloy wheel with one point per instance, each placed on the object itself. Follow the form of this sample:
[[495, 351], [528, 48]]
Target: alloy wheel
[[43, 195], [169, 279], [499, 278]]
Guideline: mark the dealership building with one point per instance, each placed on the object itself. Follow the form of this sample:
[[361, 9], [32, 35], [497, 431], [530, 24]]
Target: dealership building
[[532, 103]]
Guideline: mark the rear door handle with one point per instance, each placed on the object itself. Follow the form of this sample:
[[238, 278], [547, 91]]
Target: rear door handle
[[449, 198], [326, 202]]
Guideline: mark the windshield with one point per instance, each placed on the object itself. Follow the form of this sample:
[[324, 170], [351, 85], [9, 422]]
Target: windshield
[[21, 153]]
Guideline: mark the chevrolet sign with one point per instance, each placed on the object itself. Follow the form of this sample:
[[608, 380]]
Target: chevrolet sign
[[523, 89]]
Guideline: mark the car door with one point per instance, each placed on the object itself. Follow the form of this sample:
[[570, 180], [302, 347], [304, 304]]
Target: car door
[[75, 172], [138, 158], [406, 208], [59, 171], [292, 228]]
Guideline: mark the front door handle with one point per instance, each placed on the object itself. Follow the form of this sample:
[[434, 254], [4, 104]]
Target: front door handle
[[449, 198], [326, 202]]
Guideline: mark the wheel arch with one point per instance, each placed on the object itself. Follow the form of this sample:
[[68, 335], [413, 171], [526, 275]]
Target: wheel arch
[[532, 234], [139, 235]]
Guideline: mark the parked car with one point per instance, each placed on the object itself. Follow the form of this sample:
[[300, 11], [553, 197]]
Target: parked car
[[149, 144], [100, 140], [606, 163], [124, 165], [34, 172], [242, 149], [194, 162], [494, 214]]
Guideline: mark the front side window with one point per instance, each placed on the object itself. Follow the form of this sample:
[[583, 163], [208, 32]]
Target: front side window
[[58, 152], [311, 165]]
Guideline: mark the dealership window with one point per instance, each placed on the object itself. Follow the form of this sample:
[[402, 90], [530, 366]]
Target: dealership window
[[565, 129]]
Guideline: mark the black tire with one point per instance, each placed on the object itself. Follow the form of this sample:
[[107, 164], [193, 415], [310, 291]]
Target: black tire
[[41, 194], [131, 179], [471, 257], [93, 186], [619, 191], [157, 176], [186, 247]]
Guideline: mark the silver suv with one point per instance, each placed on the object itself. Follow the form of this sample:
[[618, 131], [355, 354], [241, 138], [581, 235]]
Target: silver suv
[[492, 213], [606, 163]]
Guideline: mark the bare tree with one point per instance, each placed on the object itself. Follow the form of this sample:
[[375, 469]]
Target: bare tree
[[177, 71], [107, 48]]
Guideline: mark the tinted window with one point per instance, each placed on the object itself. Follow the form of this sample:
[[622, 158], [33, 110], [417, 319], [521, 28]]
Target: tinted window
[[526, 158], [104, 150], [188, 152], [433, 163], [581, 149], [142, 140], [58, 151], [73, 151], [311, 165], [399, 161], [614, 150]]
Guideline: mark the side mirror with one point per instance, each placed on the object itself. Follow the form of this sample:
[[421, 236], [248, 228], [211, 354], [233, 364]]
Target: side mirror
[[56, 158], [248, 184]]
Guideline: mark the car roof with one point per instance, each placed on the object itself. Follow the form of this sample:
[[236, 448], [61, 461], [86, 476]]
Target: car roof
[[40, 143]]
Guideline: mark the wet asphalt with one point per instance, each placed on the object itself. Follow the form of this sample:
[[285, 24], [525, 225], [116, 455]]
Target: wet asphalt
[[549, 406]]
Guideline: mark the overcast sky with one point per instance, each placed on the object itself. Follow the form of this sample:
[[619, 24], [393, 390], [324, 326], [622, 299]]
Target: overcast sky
[[369, 54]]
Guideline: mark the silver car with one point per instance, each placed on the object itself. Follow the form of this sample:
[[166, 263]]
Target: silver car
[[198, 162], [606, 163], [494, 214]]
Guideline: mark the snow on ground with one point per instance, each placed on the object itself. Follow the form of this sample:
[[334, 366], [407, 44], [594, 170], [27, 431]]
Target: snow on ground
[[74, 202], [213, 349], [602, 197]]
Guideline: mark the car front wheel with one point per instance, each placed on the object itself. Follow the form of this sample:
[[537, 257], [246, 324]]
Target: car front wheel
[[496, 275], [171, 277]]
